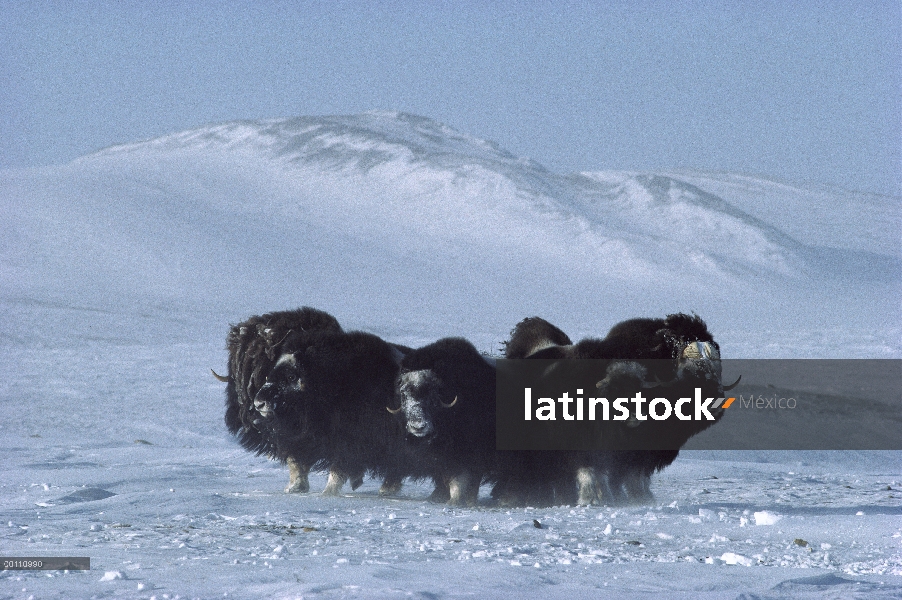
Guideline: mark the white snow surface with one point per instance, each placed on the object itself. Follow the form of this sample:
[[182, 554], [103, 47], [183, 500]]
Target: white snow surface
[[121, 271]]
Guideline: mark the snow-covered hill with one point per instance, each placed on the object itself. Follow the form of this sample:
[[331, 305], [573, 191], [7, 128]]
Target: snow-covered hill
[[390, 219]]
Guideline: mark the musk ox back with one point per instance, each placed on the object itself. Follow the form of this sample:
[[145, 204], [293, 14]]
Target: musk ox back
[[531, 335], [446, 401]]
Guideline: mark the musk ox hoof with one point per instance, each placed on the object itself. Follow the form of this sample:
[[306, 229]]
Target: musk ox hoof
[[299, 486], [356, 482], [464, 502], [587, 486], [638, 489], [297, 477], [334, 484], [440, 494], [390, 488]]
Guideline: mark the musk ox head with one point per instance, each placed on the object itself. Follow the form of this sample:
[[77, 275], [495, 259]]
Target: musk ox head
[[284, 385], [422, 396], [683, 340], [254, 347], [444, 388]]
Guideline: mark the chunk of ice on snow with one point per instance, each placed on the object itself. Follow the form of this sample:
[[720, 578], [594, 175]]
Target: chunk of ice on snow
[[731, 558], [766, 518], [111, 576]]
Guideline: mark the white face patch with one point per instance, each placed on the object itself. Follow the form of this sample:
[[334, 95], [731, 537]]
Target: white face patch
[[703, 350], [286, 359], [416, 379], [262, 408], [412, 384]]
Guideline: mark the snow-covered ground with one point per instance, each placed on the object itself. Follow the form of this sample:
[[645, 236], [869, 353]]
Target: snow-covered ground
[[121, 271]]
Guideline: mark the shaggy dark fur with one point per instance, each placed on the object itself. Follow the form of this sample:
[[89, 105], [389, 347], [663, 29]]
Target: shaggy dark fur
[[446, 394], [324, 401], [628, 472], [531, 335], [637, 339], [253, 348], [538, 478]]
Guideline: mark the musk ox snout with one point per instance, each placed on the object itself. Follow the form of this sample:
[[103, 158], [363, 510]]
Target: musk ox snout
[[263, 400], [417, 390], [418, 422], [420, 429]]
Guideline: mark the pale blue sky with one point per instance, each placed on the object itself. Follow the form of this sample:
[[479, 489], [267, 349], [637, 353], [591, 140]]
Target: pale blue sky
[[801, 91]]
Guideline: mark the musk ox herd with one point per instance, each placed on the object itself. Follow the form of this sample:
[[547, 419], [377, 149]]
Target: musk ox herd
[[303, 391]]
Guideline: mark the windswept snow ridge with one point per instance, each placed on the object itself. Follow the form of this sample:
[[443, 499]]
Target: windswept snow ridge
[[353, 213]]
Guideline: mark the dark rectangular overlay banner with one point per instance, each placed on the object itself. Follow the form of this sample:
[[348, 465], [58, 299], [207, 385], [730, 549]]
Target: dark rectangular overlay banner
[[792, 404]]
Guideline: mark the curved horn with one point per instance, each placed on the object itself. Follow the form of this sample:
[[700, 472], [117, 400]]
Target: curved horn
[[219, 377], [732, 385], [393, 411], [448, 405]]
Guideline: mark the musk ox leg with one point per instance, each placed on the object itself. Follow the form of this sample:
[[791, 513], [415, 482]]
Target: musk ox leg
[[473, 490], [335, 482], [565, 489], [441, 493], [615, 485], [356, 481], [297, 477], [638, 488], [503, 495], [391, 485], [461, 488], [605, 492], [587, 486]]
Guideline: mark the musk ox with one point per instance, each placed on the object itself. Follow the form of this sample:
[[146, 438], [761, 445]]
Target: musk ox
[[446, 401], [687, 357], [541, 478], [323, 404], [254, 345]]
